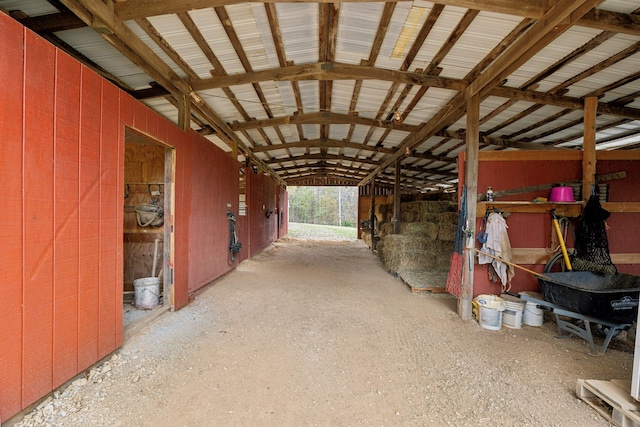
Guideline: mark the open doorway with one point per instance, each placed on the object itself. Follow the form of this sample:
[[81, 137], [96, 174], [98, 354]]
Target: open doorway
[[323, 212], [149, 167]]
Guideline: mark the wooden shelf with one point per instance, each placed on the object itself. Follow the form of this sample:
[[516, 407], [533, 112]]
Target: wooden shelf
[[564, 209]]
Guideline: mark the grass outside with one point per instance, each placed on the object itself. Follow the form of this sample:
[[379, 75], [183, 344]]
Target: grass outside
[[299, 230]]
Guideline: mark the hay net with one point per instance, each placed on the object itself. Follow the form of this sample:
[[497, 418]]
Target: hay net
[[592, 244], [454, 278]]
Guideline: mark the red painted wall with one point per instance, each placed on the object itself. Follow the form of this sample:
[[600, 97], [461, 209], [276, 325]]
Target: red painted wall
[[261, 198], [214, 187], [527, 230], [62, 167]]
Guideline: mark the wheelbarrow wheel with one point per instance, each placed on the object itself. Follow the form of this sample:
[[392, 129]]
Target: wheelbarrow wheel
[[556, 264]]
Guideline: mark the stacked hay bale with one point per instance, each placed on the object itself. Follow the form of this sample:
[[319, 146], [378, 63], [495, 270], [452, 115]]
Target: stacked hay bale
[[420, 254]]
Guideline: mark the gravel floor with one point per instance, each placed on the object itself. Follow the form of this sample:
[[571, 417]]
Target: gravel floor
[[312, 333]]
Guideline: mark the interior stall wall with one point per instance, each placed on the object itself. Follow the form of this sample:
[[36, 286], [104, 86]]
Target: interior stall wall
[[62, 169], [530, 233], [144, 170], [261, 201]]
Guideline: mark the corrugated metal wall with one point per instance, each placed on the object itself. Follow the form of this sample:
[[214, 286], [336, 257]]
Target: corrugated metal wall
[[61, 168]]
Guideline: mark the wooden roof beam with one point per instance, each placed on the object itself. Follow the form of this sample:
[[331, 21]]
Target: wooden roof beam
[[138, 52], [557, 20], [597, 18], [322, 118], [330, 71]]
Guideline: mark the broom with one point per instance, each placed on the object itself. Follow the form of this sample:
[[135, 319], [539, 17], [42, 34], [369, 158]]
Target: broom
[[454, 277]]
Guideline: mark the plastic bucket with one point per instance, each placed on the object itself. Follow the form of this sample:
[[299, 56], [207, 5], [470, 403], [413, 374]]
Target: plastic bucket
[[490, 308], [561, 194], [513, 312], [146, 292], [533, 316]]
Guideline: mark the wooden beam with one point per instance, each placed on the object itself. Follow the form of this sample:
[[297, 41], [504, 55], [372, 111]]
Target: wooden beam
[[396, 198], [598, 18], [330, 71], [319, 143], [373, 214], [471, 183], [589, 147], [563, 101], [184, 112], [138, 52], [322, 118], [557, 20]]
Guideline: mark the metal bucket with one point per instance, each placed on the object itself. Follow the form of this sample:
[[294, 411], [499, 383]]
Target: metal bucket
[[147, 292]]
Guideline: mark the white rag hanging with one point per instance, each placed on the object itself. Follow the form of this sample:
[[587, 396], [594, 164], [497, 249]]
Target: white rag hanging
[[498, 245]]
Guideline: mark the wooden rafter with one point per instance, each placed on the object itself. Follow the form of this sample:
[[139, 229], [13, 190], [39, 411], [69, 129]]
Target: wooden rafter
[[536, 9]]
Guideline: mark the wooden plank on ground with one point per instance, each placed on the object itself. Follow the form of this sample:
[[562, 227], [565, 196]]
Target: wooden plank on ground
[[611, 399]]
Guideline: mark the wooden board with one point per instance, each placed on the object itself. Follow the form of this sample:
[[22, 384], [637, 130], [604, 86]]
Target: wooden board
[[424, 281], [611, 399]]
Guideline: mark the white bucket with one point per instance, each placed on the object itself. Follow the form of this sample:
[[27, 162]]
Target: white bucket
[[533, 316], [490, 311], [147, 292], [513, 312]]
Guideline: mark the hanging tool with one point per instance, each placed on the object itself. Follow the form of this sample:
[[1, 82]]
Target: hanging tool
[[556, 226]]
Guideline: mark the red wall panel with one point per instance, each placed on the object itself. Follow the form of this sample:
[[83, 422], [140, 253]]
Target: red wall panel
[[183, 197], [90, 216], [11, 66], [215, 184], [38, 219], [62, 166], [65, 320], [527, 230], [261, 198], [110, 293]]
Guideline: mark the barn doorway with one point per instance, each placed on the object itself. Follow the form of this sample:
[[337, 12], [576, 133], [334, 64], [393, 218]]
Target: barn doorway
[[149, 167]]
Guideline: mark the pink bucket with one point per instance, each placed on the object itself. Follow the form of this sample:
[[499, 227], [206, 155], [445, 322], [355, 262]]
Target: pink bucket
[[561, 194]]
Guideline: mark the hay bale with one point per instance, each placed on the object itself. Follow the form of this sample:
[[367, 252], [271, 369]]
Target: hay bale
[[385, 229], [384, 212], [447, 232], [400, 251], [438, 207], [424, 211], [409, 212], [427, 230]]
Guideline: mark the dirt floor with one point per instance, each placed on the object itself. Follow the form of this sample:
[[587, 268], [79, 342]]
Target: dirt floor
[[317, 333]]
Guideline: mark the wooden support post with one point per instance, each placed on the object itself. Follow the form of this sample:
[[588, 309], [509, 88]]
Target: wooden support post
[[234, 150], [184, 112], [372, 216], [396, 198], [471, 182], [589, 147]]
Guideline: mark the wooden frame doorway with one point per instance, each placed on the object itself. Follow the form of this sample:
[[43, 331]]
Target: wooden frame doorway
[[149, 172]]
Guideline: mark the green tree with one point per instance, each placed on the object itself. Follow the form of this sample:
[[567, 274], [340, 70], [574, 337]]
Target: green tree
[[323, 205]]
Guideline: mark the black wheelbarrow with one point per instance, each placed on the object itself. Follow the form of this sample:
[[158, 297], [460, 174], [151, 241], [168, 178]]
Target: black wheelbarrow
[[613, 298]]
